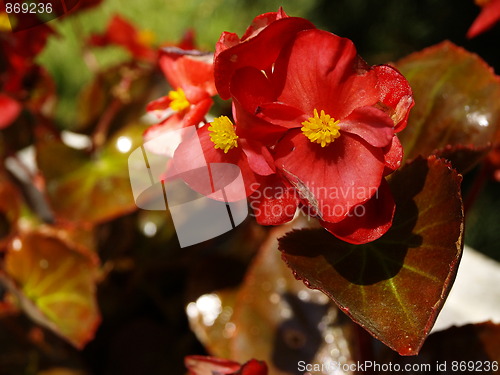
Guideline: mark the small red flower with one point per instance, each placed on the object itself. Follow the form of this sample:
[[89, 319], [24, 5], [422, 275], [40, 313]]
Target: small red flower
[[221, 143], [190, 74], [122, 33], [489, 16], [204, 365], [338, 118]]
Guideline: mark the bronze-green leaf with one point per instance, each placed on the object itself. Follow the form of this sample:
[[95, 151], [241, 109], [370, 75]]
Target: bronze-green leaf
[[89, 188], [54, 280], [456, 102], [393, 287]]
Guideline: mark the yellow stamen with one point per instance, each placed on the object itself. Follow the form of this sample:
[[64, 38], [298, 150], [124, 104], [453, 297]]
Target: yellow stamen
[[179, 101], [222, 134], [322, 129], [146, 37]]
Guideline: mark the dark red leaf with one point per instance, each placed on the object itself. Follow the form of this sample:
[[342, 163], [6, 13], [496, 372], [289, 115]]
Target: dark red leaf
[[394, 287]]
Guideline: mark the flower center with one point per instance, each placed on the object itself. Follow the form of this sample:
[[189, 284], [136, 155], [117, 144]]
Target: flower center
[[178, 100], [322, 129], [146, 37], [222, 134]]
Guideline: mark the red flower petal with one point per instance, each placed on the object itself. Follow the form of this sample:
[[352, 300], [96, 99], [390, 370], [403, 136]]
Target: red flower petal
[[188, 68], [159, 104], [258, 156], [311, 72], [259, 52], [393, 155], [197, 112], [273, 203], [205, 365], [282, 114], [395, 95], [371, 124], [123, 33], [262, 21], [333, 179], [368, 221], [201, 365], [253, 127], [10, 109], [490, 14]]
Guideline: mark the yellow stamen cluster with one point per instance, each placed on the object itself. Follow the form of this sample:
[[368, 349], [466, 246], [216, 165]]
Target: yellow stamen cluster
[[322, 128], [146, 37], [222, 134], [178, 100]]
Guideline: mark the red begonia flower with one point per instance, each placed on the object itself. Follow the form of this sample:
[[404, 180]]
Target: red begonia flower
[[340, 115], [205, 365], [122, 33], [489, 16], [190, 74]]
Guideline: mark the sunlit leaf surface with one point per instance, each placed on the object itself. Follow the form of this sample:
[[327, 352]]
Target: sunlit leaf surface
[[54, 280]]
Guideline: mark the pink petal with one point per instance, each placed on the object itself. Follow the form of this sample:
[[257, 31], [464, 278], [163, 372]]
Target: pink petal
[[366, 222], [371, 124], [333, 179]]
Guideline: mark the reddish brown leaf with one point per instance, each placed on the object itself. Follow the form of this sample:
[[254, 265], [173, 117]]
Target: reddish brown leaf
[[393, 287], [54, 280], [456, 102]]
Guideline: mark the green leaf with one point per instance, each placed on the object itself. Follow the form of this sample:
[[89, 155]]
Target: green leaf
[[456, 102], [393, 287], [89, 188], [54, 280]]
